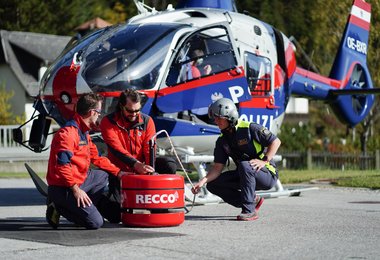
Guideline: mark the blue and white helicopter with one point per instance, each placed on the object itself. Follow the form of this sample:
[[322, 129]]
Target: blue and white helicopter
[[183, 59]]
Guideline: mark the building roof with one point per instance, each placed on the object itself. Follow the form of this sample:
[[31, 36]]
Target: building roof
[[96, 23], [26, 52]]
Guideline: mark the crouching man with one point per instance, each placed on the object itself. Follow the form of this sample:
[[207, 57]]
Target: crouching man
[[252, 147], [75, 190]]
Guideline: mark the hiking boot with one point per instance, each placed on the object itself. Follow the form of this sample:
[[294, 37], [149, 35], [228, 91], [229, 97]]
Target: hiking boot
[[259, 201], [247, 216], [52, 215]]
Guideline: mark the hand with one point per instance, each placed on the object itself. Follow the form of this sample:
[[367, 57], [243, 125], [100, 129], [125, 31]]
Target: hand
[[257, 164], [197, 187], [142, 168], [207, 69], [83, 200]]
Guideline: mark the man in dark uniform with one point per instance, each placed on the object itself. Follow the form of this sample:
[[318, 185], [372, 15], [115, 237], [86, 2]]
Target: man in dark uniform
[[252, 148]]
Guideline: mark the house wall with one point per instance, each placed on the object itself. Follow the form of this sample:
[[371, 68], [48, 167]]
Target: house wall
[[297, 110], [11, 82]]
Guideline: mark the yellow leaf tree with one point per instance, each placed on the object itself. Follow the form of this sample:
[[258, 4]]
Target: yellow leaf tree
[[6, 116]]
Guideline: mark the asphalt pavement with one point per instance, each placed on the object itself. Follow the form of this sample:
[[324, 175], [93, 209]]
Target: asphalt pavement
[[328, 223]]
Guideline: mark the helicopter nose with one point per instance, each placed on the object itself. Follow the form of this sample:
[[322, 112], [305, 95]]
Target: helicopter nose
[[64, 90]]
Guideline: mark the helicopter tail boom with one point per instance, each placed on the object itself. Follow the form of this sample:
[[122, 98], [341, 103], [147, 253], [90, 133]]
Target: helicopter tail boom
[[349, 73]]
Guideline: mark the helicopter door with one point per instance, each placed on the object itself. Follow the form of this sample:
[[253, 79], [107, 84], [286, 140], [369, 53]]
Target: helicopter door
[[205, 68]]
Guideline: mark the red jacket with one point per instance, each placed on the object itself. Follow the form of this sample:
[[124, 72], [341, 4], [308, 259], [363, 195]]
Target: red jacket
[[71, 154], [127, 141]]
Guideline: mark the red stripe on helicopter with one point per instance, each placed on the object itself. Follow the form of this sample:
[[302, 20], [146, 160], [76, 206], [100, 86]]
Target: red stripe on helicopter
[[361, 14], [363, 5], [290, 59], [344, 82], [214, 79], [359, 22], [331, 82], [279, 77], [256, 102], [314, 76]]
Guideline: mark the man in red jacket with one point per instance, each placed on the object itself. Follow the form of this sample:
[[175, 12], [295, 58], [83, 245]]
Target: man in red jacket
[[127, 133], [74, 189]]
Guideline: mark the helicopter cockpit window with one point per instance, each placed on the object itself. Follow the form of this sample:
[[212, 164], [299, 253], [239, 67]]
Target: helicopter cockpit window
[[259, 74], [128, 56], [205, 53]]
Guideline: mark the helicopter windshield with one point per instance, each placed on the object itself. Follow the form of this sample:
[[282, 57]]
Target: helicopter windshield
[[128, 56]]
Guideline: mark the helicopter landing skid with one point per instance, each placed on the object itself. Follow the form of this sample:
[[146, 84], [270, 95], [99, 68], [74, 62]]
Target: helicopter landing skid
[[205, 197]]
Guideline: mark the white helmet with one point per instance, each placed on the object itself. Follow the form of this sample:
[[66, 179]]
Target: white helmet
[[225, 108]]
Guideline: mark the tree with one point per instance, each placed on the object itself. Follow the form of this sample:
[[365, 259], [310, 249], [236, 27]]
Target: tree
[[5, 106], [57, 17], [317, 25], [295, 137]]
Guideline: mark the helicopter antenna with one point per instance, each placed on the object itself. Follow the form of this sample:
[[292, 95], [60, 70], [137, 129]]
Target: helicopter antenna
[[304, 55], [143, 8]]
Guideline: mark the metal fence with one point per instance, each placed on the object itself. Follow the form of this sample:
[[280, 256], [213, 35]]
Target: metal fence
[[11, 151], [326, 160], [6, 136]]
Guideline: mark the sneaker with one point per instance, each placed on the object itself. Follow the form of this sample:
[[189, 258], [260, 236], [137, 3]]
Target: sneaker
[[259, 201], [52, 215], [247, 216]]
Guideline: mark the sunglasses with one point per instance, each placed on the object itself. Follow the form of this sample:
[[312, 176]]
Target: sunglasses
[[97, 111], [131, 111]]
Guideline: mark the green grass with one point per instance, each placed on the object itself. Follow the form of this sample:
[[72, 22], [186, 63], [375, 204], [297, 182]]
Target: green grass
[[19, 175], [349, 178]]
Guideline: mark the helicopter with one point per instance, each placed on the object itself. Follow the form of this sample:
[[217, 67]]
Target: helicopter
[[184, 59]]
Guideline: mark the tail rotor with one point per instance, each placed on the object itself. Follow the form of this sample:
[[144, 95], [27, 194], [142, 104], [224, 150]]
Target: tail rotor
[[358, 81]]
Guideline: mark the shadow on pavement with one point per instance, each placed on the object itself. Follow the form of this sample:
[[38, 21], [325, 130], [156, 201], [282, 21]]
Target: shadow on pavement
[[37, 230], [196, 218], [21, 197]]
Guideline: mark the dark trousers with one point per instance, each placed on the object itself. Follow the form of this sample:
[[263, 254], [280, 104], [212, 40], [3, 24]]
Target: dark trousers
[[163, 165], [238, 187], [66, 204]]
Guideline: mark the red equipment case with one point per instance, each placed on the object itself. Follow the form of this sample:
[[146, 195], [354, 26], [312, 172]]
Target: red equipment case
[[162, 196]]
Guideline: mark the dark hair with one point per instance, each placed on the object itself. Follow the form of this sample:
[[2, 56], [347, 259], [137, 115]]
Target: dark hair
[[132, 94], [87, 102], [196, 53]]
